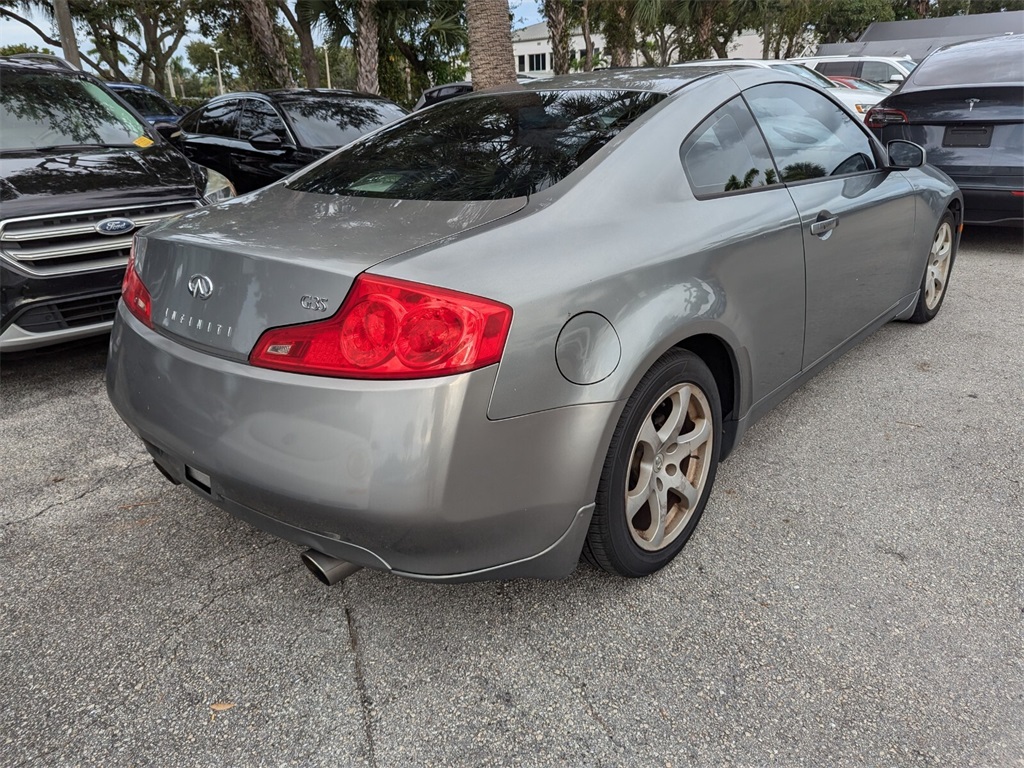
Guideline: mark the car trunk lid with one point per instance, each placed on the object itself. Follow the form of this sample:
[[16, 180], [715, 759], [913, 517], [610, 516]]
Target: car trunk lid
[[220, 277]]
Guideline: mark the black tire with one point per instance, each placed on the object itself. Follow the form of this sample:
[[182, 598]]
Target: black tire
[[929, 304], [613, 541]]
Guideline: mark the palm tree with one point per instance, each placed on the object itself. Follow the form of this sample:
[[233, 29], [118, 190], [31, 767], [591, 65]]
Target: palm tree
[[262, 27], [490, 43]]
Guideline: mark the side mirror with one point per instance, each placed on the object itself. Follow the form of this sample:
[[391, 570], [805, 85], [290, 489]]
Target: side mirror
[[897, 78], [266, 140], [905, 154], [167, 130]]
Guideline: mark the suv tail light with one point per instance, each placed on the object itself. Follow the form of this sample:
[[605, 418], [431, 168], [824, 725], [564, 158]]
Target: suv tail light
[[879, 118], [392, 329], [135, 294]]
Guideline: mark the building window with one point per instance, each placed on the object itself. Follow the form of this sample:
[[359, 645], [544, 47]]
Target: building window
[[538, 62], [522, 64]]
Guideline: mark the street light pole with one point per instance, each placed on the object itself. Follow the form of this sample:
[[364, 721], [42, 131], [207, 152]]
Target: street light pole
[[220, 81], [327, 66]]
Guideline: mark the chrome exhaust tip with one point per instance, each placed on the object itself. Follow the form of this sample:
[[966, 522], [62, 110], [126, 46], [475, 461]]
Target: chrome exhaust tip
[[328, 570]]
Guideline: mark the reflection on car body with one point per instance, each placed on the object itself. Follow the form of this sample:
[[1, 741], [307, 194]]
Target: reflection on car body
[[558, 307]]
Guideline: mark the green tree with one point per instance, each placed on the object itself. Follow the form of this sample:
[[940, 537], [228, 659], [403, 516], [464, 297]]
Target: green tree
[[838, 21]]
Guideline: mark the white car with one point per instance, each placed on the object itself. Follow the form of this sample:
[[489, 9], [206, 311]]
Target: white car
[[889, 71], [857, 101]]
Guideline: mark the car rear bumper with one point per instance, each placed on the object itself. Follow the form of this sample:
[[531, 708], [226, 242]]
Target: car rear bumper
[[405, 476], [997, 207]]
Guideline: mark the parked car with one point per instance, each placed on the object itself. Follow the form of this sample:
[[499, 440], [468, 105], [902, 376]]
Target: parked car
[[524, 323], [437, 93], [441, 92], [147, 102], [859, 102], [257, 138], [860, 84], [80, 174], [964, 105], [889, 71]]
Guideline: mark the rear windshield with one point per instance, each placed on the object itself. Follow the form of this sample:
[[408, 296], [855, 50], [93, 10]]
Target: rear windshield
[[320, 122], [46, 111], [147, 103], [807, 74], [996, 61], [480, 148]]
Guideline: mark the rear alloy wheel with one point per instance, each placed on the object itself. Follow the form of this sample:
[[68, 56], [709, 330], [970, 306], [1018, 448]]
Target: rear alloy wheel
[[660, 468], [937, 271]]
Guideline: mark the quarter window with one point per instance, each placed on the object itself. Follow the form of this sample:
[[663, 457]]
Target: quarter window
[[219, 119], [809, 135], [726, 153]]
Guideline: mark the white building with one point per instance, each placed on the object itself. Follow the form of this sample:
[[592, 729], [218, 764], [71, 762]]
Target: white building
[[531, 47]]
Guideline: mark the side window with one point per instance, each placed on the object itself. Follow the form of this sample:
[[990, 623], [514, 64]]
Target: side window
[[843, 68], [219, 119], [726, 153], [809, 135], [878, 71], [190, 122], [260, 117]]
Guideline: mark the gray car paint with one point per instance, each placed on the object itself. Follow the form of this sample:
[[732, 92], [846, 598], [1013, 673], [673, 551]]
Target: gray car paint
[[493, 468]]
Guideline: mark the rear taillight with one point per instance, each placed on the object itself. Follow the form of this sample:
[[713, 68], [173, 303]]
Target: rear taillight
[[135, 294], [879, 118], [392, 329]]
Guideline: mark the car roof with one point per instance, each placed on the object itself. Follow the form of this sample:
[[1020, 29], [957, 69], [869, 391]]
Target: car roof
[[293, 94], [658, 80], [850, 56], [28, 63], [132, 86]]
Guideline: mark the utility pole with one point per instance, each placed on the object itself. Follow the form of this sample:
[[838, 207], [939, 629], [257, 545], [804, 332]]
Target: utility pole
[[66, 30], [220, 81], [327, 66]]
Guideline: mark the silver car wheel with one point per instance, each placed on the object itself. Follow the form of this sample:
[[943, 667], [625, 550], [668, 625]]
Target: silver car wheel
[[938, 265], [669, 467]]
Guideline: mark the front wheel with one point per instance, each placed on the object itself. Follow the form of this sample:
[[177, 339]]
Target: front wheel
[[936, 271], [659, 470]]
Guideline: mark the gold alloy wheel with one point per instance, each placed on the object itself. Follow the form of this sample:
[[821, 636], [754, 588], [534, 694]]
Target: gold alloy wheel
[[938, 266], [669, 466]]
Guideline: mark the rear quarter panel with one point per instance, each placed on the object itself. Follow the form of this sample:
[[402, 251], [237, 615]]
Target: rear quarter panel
[[624, 238]]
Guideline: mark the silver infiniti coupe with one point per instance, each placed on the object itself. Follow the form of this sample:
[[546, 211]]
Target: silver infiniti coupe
[[525, 323]]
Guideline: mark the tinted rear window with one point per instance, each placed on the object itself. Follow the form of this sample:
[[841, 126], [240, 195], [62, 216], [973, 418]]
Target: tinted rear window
[[994, 61], [480, 148], [334, 122]]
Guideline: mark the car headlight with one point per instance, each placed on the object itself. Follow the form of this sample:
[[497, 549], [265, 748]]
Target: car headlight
[[218, 187]]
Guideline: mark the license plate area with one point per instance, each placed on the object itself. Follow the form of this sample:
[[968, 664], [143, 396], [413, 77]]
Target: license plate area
[[967, 136]]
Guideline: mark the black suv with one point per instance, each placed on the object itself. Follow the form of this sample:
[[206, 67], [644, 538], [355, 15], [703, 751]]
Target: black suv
[[81, 173]]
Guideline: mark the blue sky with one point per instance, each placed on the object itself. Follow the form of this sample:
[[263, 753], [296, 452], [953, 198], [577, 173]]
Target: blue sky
[[524, 12]]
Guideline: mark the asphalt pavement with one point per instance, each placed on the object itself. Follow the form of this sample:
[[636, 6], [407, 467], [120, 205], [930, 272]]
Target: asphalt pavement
[[853, 596]]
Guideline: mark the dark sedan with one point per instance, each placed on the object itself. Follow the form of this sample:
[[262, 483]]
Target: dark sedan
[[965, 105], [257, 138]]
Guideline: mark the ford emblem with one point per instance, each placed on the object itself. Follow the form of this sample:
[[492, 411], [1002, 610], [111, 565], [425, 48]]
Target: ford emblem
[[116, 226]]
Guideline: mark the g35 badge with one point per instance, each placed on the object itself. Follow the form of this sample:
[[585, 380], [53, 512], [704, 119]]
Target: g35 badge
[[315, 303]]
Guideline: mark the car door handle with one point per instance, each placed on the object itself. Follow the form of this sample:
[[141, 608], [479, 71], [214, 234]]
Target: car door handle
[[824, 224]]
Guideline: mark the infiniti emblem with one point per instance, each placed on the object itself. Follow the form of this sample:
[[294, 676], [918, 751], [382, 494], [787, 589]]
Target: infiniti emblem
[[200, 286], [114, 226]]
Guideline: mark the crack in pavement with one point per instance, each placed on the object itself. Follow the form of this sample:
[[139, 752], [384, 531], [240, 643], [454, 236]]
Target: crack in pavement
[[95, 486], [364, 699]]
